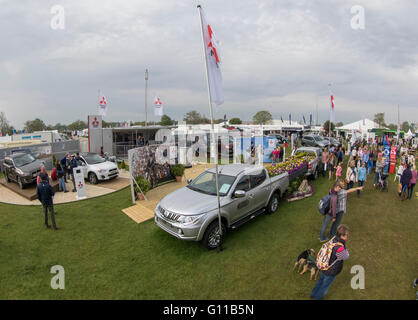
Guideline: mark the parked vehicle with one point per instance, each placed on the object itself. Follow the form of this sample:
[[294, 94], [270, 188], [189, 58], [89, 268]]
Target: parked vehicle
[[22, 168], [314, 165], [334, 142], [36, 155], [96, 168], [246, 191], [314, 141]]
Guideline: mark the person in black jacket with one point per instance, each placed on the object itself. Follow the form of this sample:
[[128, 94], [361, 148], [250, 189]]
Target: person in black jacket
[[61, 174], [65, 166], [73, 165], [406, 177], [338, 255], [45, 195]]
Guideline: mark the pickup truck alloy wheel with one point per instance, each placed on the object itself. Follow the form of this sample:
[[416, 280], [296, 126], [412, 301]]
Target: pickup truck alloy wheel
[[273, 204], [212, 239], [93, 178]]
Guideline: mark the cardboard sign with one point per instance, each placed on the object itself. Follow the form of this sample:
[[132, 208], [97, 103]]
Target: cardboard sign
[[80, 184]]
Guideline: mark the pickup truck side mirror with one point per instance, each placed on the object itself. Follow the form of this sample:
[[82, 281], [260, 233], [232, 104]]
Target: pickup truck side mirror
[[189, 181], [239, 194]]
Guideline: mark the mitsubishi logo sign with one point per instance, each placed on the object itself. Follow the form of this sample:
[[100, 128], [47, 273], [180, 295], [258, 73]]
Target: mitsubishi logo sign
[[95, 122]]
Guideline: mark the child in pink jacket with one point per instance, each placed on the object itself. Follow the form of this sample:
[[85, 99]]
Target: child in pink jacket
[[339, 170]]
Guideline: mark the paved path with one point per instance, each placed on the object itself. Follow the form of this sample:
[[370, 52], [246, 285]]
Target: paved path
[[105, 187]]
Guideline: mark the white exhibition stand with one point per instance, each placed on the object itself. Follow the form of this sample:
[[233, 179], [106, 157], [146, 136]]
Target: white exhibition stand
[[80, 185]]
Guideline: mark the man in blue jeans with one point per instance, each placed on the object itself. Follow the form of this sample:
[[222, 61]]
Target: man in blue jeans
[[338, 255], [341, 206], [332, 212]]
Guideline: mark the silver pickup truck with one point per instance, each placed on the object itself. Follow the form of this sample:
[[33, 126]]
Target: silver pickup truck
[[191, 212]]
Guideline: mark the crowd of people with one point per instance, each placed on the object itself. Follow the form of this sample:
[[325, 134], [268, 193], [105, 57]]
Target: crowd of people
[[63, 171], [363, 158]]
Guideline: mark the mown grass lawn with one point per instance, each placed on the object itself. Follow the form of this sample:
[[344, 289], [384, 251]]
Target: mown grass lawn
[[106, 255]]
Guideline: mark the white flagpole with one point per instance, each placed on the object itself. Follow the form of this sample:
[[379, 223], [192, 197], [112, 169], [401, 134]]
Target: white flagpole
[[212, 126], [98, 101], [329, 130]]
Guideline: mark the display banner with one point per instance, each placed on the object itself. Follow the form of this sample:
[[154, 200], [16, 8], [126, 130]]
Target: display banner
[[269, 144], [392, 159], [143, 162], [386, 154]]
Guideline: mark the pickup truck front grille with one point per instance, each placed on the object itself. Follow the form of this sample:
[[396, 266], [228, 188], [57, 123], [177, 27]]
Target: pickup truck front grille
[[169, 215]]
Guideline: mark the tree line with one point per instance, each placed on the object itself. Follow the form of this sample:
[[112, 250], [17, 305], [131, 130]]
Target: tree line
[[192, 117]]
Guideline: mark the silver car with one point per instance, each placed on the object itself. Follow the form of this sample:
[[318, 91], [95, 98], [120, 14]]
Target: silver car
[[191, 212]]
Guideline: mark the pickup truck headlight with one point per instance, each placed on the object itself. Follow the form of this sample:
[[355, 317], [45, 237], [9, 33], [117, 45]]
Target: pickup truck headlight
[[187, 220], [19, 171], [101, 171]]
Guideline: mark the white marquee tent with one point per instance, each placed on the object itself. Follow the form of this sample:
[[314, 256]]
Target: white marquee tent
[[360, 128]]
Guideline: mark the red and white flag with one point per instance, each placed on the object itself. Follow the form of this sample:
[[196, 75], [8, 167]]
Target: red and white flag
[[158, 107], [332, 115], [213, 62], [102, 109]]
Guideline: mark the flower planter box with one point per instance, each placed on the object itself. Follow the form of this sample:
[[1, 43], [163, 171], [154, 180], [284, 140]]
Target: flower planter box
[[297, 195]]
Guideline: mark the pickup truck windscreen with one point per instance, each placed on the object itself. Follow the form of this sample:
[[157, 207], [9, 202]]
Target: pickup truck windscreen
[[23, 160], [206, 183]]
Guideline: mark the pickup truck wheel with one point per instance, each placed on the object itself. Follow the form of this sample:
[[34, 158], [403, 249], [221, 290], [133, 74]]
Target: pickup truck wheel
[[212, 239], [93, 178], [273, 204]]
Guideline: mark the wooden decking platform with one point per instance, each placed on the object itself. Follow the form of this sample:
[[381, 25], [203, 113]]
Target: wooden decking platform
[[139, 213], [29, 192]]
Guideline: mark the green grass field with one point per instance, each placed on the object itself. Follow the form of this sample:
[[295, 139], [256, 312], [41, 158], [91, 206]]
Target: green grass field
[[106, 255]]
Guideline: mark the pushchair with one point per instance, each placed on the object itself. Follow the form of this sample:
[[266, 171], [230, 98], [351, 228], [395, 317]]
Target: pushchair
[[383, 184]]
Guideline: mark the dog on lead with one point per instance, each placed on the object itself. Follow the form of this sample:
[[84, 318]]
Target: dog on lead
[[305, 262]]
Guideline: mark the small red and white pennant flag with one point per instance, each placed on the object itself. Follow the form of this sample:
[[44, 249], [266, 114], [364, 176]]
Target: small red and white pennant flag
[[158, 107], [102, 109]]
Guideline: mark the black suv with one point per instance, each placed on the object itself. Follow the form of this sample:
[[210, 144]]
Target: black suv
[[22, 168], [314, 141]]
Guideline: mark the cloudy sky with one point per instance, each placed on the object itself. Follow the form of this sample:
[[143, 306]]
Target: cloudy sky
[[277, 55]]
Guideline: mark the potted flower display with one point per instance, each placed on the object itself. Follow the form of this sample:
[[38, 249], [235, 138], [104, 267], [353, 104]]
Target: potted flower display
[[144, 185], [122, 166], [178, 170]]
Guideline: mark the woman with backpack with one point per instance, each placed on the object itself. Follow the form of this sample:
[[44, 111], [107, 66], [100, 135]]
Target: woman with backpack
[[331, 261]]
